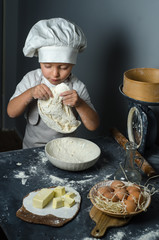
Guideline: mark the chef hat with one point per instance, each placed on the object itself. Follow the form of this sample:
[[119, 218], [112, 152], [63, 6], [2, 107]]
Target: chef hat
[[55, 40]]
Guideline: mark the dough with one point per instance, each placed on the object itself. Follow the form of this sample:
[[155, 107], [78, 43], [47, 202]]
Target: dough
[[55, 114]]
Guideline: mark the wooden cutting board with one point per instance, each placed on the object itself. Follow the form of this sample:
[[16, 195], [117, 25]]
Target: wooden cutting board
[[103, 222], [49, 220]]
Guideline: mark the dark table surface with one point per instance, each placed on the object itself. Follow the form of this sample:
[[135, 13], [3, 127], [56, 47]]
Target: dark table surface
[[24, 171]]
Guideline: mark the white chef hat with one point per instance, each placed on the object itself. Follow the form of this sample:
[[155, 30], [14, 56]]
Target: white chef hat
[[55, 40]]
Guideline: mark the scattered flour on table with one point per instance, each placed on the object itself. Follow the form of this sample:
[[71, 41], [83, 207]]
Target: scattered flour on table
[[108, 176], [118, 236], [84, 181], [33, 170], [88, 176], [149, 234], [42, 156], [21, 175], [146, 234], [80, 184], [72, 183], [153, 235], [55, 180], [18, 164], [5, 176]]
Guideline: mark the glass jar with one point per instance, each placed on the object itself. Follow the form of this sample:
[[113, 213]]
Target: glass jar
[[129, 172]]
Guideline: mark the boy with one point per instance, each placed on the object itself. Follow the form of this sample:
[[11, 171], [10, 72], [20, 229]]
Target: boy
[[57, 43]]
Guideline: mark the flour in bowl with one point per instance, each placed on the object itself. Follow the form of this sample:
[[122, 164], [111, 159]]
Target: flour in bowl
[[71, 149]]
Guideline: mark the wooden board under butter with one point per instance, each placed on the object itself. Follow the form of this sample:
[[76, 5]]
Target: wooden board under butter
[[48, 215]]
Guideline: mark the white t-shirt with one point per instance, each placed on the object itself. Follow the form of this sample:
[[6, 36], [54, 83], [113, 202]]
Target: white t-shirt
[[37, 133]]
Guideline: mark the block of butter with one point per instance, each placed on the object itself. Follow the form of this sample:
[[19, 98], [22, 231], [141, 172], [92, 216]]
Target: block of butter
[[59, 191], [58, 202], [69, 202], [43, 197], [70, 195]]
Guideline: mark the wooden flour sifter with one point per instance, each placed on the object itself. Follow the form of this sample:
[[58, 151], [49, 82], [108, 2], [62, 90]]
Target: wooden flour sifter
[[141, 88]]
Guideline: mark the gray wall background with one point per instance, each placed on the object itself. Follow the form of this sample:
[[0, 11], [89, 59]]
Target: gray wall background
[[121, 34]]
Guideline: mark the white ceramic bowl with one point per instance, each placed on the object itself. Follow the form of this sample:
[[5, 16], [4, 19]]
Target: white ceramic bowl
[[72, 154]]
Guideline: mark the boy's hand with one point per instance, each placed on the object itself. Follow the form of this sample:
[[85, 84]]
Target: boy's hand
[[71, 98], [41, 91]]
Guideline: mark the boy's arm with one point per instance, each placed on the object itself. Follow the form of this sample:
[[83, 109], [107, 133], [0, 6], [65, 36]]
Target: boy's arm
[[17, 105], [88, 115]]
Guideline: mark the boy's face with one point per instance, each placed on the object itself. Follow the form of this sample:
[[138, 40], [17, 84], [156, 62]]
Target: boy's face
[[56, 73]]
